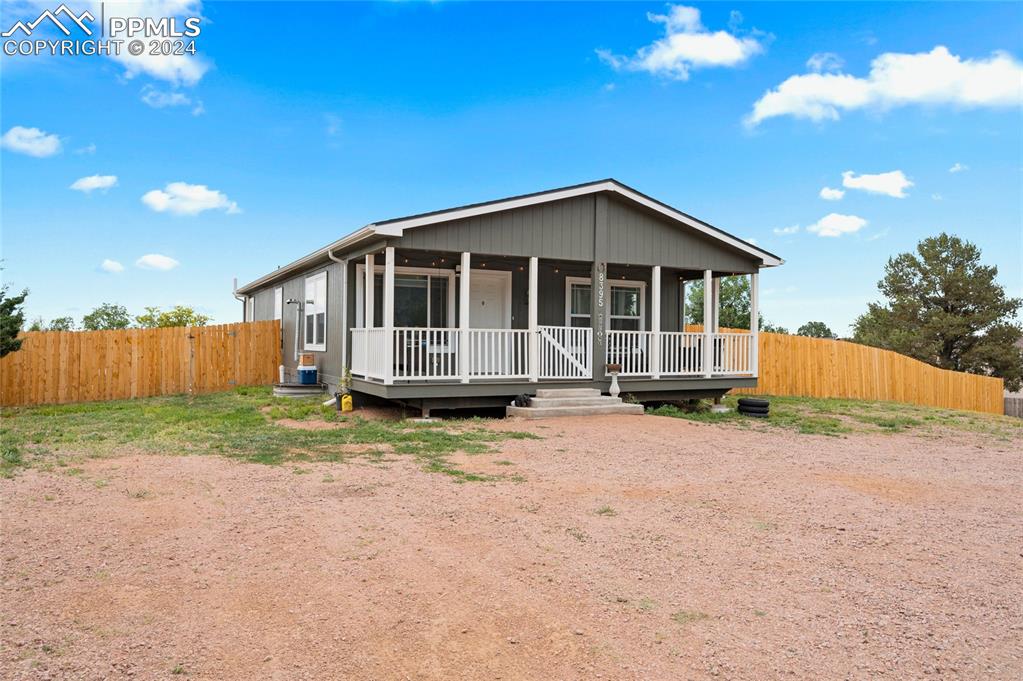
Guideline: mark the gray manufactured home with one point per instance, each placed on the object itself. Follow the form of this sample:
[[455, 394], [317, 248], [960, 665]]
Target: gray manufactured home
[[471, 306]]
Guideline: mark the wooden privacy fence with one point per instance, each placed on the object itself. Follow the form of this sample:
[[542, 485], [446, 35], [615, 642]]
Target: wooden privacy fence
[[820, 367], [55, 367]]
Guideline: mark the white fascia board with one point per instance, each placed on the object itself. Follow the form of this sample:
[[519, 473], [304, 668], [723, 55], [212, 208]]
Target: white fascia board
[[298, 265]]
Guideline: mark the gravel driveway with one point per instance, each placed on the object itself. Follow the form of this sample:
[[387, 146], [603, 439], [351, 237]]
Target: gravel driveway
[[622, 548]]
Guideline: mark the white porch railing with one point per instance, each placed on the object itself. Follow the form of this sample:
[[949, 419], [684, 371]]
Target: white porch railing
[[425, 354], [681, 353], [732, 353], [566, 352], [498, 353], [630, 350], [368, 353], [432, 354]]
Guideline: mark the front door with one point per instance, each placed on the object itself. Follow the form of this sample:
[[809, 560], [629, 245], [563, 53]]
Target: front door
[[489, 309], [488, 300]]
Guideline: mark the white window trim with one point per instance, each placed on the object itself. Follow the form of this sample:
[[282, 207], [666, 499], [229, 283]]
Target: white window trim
[[279, 303], [250, 309], [360, 290], [611, 283], [315, 347]]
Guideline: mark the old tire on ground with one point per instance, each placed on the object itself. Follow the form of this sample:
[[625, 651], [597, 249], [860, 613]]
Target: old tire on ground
[[755, 414], [754, 410], [753, 402]]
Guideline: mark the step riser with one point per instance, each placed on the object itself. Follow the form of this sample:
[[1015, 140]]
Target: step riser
[[567, 392], [541, 402], [533, 413]]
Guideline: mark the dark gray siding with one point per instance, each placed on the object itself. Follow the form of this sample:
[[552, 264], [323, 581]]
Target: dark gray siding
[[638, 237], [562, 229], [565, 230], [328, 363]]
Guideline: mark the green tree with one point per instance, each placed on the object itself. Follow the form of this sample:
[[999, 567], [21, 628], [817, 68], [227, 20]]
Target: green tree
[[107, 316], [734, 306], [62, 324], [815, 330], [180, 315], [37, 324], [944, 307], [12, 316]]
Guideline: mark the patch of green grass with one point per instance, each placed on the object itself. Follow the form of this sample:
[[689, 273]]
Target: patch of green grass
[[837, 417], [689, 616], [238, 424], [178, 669], [504, 462], [646, 604], [576, 534], [606, 510]]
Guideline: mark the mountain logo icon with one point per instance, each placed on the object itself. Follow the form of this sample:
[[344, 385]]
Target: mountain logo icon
[[78, 19]]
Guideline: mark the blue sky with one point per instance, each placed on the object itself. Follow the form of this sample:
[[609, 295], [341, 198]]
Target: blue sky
[[310, 120]]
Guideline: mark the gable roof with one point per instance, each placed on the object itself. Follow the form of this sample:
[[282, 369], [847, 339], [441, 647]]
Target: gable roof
[[396, 226]]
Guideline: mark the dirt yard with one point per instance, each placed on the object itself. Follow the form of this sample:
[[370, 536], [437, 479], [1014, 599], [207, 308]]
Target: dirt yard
[[623, 548]]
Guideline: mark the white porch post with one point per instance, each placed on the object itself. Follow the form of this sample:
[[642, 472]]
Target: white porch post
[[463, 318], [754, 323], [682, 300], [389, 315], [716, 307], [534, 309], [368, 308], [708, 324], [655, 322]]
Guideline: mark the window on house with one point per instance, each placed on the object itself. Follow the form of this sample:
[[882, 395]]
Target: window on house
[[316, 312], [579, 305], [420, 300], [626, 309], [278, 302]]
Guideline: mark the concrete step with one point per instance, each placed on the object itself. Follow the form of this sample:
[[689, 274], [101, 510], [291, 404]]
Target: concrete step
[[599, 400], [567, 392], [547, 412]]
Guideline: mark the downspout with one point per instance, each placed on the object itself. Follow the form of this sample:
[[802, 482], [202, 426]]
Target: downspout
[[234, 292], [344, 308]]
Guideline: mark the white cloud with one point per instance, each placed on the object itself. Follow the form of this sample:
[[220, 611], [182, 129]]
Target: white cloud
[[111, 266], [30, 141], [161, 99], [182, 198], [178, 69], [686, 45], [155, 261], [94, 182], [781, 231], [829, 194], [892, 183], [824, 61], [937, 197], [751, 240], [958, 168], [897, 79], [87, 149], [836, 224]]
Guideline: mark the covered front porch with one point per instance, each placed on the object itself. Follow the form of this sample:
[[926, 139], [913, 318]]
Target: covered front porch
[[434, 318]]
